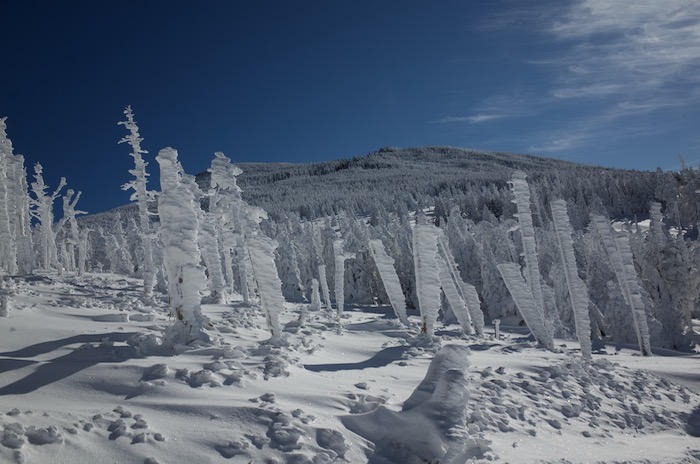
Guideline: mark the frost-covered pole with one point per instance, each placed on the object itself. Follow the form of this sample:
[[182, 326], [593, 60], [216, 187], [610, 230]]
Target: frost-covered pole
[[425, 237], [142, 195], [578, 293], [181, 255], [620, 255], [392, 285]]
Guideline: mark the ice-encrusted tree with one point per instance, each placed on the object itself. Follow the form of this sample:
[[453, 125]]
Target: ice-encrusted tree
[[578, 292], [181, 256], [325, 291], [315, 296], [317, 264], [392, 285], [209, 245], [226, 204], [8, 246], [118, 260], [246, 241], [84, 234], [620, 255], [340, 256], [452, 296], [208, 241], [520, 291], [70, 200], [42, 210], [463, 295], [262, 256], [288, 266], [527, 293], [18, 206], [667, 275], [521, 191], [142, 196], [425, 248]]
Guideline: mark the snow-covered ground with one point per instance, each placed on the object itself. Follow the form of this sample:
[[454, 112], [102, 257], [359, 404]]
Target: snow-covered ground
[[77, 387]]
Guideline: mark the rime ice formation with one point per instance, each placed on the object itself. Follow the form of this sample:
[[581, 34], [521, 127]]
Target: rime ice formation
[[578, 292], [392, 285], [181, 256], [618, 249], [425, 250]]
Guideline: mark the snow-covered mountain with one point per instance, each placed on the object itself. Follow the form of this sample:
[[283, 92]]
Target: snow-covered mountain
[[395, 180]]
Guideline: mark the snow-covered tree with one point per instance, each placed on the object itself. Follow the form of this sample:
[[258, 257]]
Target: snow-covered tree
[[142, 196], [226, 205], [340, 257], [262, 256], [116, 249], [425, 238], [83, 250], [315, 296], [8, 246], [42, 205], [390, 279], [668, 277], [465, 304], [288, 266], [73, 243], [453, 297], [20, 219], [578, 293], [520, 291], [181, 256], [521, 190], [529, 298], [620, 256]]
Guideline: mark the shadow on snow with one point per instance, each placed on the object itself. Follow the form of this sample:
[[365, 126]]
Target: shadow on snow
[[381, 359], [60, 368]]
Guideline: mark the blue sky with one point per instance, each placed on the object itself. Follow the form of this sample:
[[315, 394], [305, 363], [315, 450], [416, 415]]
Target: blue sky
[[602, 82]]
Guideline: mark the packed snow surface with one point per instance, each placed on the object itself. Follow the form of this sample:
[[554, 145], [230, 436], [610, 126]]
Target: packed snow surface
[[80, 384]]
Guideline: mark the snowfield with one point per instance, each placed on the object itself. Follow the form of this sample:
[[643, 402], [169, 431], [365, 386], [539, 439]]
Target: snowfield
[[82, 383]]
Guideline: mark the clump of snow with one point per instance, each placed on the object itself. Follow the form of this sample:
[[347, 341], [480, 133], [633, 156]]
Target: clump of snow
[[433, 420]]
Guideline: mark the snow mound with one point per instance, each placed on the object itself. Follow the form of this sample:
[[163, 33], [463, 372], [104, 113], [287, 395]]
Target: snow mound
[[433, 424]]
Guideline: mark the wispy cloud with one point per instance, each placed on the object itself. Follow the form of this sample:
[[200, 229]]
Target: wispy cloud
[[474, 119], [614, 63], [628, 49]]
